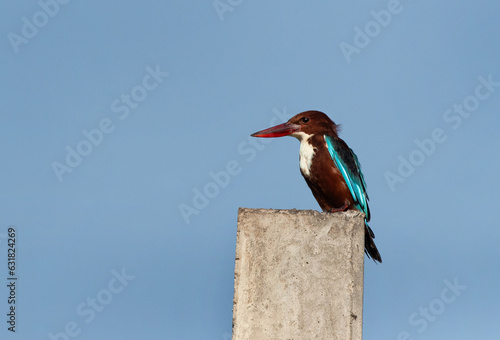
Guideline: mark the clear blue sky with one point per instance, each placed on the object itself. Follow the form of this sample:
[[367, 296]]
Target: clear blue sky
[[116, 116]]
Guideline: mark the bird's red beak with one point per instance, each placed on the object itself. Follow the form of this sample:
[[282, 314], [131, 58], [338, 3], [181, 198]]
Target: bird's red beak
[[277, 131]]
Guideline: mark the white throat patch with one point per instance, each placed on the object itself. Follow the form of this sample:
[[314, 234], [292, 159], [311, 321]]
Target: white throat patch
[[306, 152]]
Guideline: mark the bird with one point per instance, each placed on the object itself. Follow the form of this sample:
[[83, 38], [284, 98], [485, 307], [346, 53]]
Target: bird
[[330, 168]]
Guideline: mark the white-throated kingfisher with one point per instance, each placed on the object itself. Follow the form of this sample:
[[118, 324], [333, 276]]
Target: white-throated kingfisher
[[330, 168]]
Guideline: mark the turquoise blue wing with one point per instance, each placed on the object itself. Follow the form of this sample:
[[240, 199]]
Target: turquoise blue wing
[[347, 162]]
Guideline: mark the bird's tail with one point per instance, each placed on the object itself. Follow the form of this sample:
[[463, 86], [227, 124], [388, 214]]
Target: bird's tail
[[370, 247]]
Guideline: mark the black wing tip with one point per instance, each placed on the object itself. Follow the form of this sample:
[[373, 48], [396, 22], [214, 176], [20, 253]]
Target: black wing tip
[[370, 247]]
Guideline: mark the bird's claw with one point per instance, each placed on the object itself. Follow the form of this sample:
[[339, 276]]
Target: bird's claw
[[342, 208]]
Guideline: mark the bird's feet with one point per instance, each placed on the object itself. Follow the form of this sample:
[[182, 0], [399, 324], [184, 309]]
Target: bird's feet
[[342, 208]]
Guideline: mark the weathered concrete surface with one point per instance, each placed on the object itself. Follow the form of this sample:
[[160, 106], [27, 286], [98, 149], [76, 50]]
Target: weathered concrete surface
[[298, 275]]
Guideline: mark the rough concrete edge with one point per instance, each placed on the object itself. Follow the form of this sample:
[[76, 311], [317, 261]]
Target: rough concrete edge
[[355, 329], [345, 214], [237, 267]]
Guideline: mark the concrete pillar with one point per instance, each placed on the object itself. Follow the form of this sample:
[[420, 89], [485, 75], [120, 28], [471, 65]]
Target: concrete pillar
[[298, 275]]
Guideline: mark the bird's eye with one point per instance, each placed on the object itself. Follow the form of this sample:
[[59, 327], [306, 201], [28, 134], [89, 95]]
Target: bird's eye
[[305, 120]]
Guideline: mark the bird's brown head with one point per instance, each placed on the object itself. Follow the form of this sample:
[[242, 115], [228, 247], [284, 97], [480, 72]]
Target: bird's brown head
[[306, 123]]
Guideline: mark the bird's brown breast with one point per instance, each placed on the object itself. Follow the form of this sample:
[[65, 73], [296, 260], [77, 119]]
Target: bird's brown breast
[[325, 180]]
